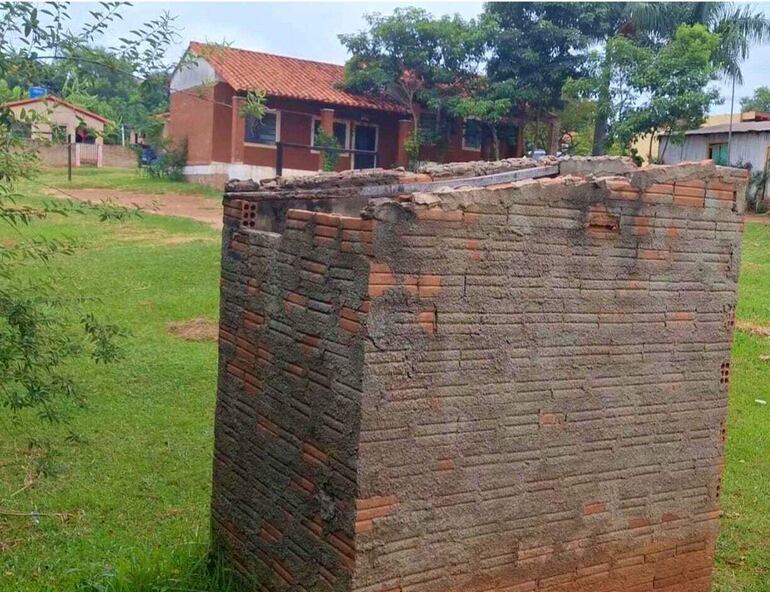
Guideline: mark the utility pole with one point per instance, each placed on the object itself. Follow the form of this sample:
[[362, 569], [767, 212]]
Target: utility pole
[[69, 157]]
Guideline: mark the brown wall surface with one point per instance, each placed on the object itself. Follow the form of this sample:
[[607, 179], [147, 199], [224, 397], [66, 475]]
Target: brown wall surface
[[118, 156], [296, 128], [113, 155], [289, 400], [203, 117], [222, 122], [506, 389], [555, 359], [191, 119]]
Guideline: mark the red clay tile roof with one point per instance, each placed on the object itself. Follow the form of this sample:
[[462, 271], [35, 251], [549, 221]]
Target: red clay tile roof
[[55, 99], [282, 76]]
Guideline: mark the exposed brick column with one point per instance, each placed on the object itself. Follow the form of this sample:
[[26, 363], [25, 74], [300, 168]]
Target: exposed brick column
[[238, 127], [404, 129], [327, 121]]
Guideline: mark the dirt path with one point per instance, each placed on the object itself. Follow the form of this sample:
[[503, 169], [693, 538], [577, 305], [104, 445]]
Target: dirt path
[[196, 207], [757, 218]]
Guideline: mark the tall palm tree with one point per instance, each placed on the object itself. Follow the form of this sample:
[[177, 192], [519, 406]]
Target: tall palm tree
[[739, 27]]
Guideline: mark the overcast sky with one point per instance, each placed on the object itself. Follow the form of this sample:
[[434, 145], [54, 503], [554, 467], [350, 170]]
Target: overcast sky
[[309, 30]]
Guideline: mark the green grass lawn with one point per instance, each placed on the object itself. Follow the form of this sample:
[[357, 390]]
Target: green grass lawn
[[138, 486], [133, 497], [120, 179]]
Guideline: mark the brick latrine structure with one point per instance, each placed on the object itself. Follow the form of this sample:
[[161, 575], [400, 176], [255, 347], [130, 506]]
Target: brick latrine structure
[[498, 386]]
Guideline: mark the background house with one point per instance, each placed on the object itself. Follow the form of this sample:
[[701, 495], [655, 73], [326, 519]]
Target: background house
[[749, 144], [209, 87], [59, 121]]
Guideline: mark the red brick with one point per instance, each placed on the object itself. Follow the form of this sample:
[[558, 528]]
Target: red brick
[[594, 508], [322, 219], [376, 501], [350, 326], [326, 231], [551, 419], [299, 214], [639, 522], [471, 218], [437, 214]]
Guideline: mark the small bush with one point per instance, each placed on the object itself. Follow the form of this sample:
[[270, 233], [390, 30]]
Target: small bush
[[412, 147], [329, 158], [169, 164]]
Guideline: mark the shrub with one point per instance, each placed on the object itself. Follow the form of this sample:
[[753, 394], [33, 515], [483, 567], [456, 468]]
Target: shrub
[[170, 162], [329, 158]]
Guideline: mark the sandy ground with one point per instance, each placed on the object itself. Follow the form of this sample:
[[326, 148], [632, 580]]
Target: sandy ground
[[196, 207], [758, 218]]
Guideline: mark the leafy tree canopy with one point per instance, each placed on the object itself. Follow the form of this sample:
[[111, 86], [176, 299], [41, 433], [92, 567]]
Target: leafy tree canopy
[[666, 89], [759, 101], [412, 48], [537, 46]]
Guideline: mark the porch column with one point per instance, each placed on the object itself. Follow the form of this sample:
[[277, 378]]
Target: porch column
[[404, 130], [237, 130], [327, 121]]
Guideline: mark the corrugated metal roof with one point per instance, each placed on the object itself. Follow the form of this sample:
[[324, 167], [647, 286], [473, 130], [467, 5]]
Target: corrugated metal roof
[[281, 76], [739, 127]]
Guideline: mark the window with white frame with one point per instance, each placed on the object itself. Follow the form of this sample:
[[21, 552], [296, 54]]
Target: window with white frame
[[339, 131], [264, 131], [471, 134]]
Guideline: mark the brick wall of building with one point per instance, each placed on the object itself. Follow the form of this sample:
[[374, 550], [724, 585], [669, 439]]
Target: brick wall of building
[[512, 388], [192, 121]]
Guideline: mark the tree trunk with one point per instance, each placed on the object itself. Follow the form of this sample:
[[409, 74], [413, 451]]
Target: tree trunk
[[601, 125], [495, 142], [554, 136], [600, 135], [520, 149]]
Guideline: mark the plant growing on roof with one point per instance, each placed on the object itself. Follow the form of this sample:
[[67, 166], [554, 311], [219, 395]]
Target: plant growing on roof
[[254, 106]]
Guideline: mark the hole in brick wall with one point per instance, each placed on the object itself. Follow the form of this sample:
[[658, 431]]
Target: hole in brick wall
[[601, 222], [248, 215], [729, 310], [724, 373]]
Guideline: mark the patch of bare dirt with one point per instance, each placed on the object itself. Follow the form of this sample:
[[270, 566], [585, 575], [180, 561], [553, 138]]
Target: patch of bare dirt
[[753, 328], [757, 218], [195, 330], [132, 234], [195, 207]]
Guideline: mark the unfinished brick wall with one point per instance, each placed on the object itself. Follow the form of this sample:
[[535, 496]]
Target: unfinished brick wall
[[511, 388]]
